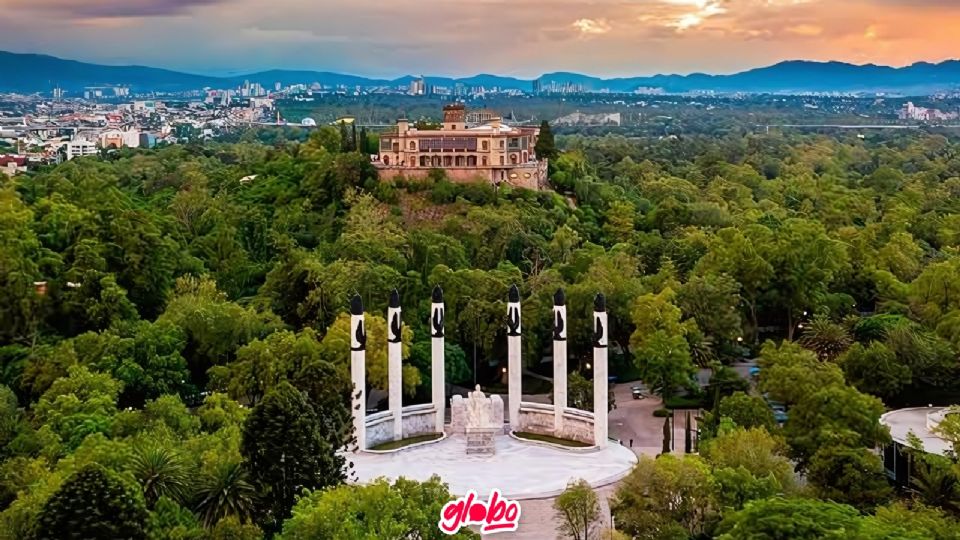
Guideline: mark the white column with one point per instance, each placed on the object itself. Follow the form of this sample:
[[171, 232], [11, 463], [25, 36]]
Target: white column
[[559, 359], [600, 372], [437, 313], [358, 375], [395, 364], [514, 369]]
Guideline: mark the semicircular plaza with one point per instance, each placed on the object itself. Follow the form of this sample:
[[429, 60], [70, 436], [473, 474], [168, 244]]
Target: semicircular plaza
[[520, 470]]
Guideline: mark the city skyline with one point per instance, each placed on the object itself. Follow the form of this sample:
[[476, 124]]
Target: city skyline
[[522, 38]]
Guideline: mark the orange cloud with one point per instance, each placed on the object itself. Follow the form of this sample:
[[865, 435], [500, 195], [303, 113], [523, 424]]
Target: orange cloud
[[592, 26], [515, 37], [809, 30]]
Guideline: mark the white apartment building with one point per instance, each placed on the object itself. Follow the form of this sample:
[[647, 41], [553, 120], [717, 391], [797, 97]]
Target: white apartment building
[[80, 147]]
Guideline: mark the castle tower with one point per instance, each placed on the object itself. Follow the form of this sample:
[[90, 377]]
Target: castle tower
[[454, 116]]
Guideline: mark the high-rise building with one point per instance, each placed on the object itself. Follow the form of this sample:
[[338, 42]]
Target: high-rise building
[[418, 87]]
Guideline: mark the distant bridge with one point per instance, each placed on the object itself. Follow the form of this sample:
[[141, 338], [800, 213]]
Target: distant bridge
[[22, 128]]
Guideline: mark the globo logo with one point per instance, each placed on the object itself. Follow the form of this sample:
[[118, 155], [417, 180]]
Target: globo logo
[[498, 514]]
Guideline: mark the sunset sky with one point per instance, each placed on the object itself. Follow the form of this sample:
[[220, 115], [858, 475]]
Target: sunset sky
[[464, 37]]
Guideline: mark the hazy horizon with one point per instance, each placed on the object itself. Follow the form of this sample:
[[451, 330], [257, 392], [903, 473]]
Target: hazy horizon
[[520, 38], [391, 77]]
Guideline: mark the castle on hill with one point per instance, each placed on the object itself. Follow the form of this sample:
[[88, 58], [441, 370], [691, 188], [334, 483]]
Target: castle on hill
[[491, 151]]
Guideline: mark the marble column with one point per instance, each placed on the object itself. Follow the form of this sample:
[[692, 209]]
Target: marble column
[[437, 314], [514, 368], [358, 374], [600, 371], [395, 364], [559, 359]]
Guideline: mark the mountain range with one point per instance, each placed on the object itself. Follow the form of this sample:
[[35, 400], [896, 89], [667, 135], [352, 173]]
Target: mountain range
[[40, 73]]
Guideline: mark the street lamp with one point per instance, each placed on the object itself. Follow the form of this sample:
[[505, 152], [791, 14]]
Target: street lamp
[[475, 335]]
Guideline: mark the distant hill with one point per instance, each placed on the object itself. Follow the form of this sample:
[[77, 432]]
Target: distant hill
[[40, 73]]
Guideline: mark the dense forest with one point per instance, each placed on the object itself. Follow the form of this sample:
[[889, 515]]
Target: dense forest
[[174, 333]]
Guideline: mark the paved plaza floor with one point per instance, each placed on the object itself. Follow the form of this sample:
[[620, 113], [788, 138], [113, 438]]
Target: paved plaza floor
[[521, 470]]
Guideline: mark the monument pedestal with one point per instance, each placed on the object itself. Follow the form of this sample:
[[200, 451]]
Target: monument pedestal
[[480, 419], [481, 441]]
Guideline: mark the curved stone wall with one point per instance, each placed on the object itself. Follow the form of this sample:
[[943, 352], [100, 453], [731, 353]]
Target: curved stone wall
[[539, 418], [417, 420]]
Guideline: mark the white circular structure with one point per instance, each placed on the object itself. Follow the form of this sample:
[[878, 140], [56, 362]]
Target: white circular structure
[[519, 469], [919, 422], [308, 122]]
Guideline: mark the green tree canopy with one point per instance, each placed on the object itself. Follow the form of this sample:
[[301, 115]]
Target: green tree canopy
[[377, 510], [93, 503]]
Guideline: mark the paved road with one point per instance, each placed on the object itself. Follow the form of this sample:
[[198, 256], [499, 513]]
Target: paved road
[[633, 419], [538, 521]]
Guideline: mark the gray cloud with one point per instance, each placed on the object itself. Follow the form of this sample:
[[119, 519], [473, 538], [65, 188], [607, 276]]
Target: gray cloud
[[112, 8]]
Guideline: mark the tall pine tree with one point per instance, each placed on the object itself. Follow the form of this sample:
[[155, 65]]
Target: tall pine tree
[[546, 147], [344, 137], [364, 144], [286, 450], [93, 503]]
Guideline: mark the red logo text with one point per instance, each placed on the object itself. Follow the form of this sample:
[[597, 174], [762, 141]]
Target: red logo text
[[496, 515]]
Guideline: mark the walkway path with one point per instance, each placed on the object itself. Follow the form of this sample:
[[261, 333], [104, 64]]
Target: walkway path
[[632, 419], [520, 470]]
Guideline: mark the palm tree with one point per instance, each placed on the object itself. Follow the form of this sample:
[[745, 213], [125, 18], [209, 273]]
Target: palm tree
[[225, 492], [826, 338], [701, 348], [936, 484], [161, 472]]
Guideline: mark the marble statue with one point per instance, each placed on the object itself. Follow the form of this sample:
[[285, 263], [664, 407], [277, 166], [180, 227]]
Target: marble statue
[[479, 410]]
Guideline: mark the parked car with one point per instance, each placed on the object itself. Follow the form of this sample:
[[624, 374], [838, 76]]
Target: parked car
[[780, 415], [779, 410], [639, 392]]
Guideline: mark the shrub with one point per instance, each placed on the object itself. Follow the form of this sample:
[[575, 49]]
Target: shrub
[[444, 192]]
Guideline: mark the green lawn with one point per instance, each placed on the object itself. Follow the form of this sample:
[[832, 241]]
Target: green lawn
[[549, 439], [684, 402], [394, 445]]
